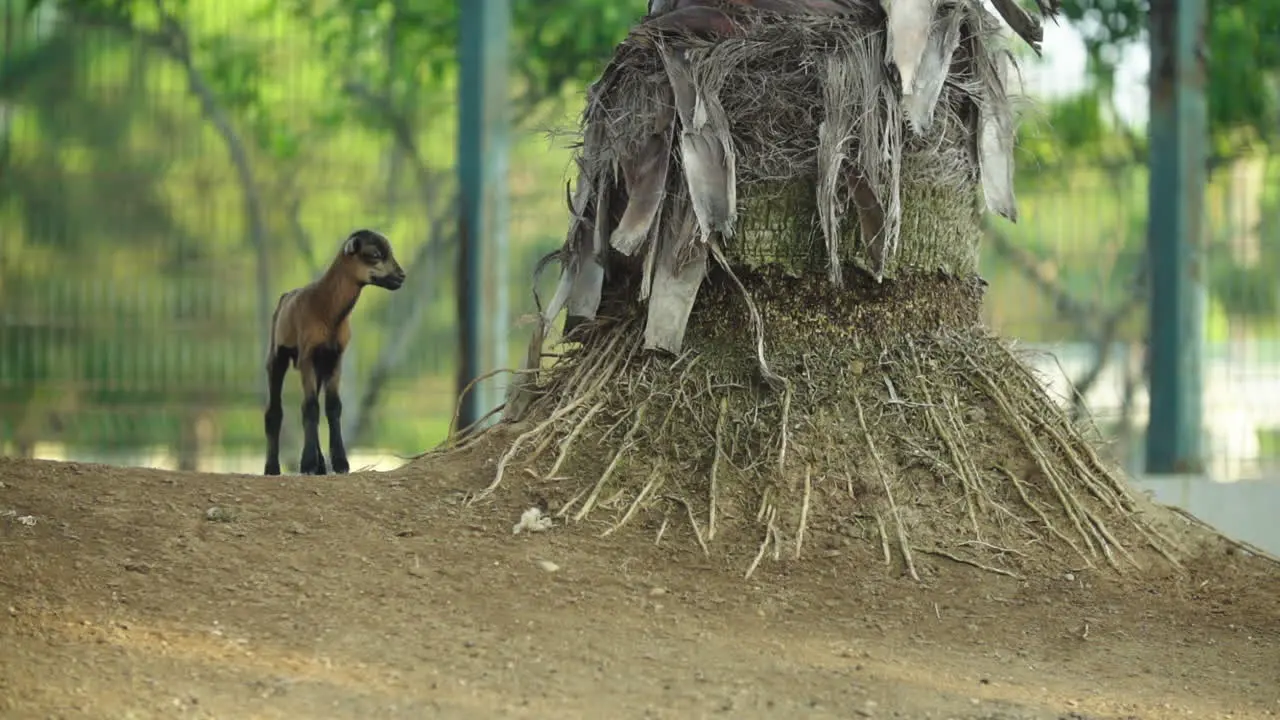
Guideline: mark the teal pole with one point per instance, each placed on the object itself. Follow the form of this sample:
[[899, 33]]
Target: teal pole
[[1179, 139], [483, 40]]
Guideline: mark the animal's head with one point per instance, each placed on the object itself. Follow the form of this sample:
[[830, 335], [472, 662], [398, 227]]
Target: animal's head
[[370, 257]]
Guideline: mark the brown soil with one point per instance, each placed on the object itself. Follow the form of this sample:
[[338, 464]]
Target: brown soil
[[139, 593]]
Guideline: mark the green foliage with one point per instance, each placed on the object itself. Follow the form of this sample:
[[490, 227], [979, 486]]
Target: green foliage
[[1243, 38], [410, 44], [1068, 130]]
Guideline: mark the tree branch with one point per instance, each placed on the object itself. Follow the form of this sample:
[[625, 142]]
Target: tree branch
[[216, 115], [1079, 312], [1089, 318], [302, 238], [427, 261], [422, 269], [172, 41], [1110, 330]]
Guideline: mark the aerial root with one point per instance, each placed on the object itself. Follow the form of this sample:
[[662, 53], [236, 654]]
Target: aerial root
[[1238, 544], [567, 443], [1115, 497], [623, 447], [784, 426], [804, 509], [884, 540], [1088, 470], [967, 561], [693, 521], [715, 467], [904, 546], [1063, 421], [662, 529], [959, 461], [1105, 484], [769, 514], [656, 479], [1016, 420], [592, 377], [1020, 487]]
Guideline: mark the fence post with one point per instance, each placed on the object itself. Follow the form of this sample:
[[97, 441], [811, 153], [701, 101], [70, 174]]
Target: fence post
[[483, 39], [1178, 136]]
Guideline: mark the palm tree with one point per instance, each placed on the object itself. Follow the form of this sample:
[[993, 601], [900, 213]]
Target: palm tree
[[773, 305]]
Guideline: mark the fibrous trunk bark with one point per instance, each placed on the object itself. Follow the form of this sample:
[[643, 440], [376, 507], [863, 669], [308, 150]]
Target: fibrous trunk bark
[[903, 428]]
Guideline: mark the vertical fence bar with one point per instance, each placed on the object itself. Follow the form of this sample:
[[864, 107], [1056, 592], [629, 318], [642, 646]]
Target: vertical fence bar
[[482, 163], [1178, 136]]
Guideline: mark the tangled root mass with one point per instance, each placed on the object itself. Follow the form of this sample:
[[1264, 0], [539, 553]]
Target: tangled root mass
[[904, 424]]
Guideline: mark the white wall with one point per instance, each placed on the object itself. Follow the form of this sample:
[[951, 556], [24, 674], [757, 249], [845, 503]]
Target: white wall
[[1245, 510]]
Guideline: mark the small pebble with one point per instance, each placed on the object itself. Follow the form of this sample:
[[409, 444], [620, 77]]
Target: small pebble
[[218, 514], [657, 592], [548, 565]]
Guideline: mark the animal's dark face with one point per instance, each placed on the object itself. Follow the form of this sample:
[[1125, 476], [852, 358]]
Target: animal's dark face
[[375, 264]]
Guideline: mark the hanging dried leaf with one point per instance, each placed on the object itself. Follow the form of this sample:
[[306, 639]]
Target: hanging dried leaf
[[871, 221], [935, 65], [676, 280], [995, 141], [907, 34], [1022, 22], [645, 175], [706, 151], [586, 269]]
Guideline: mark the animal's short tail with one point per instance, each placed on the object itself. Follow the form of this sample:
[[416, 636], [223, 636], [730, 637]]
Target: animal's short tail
[[271, 331]]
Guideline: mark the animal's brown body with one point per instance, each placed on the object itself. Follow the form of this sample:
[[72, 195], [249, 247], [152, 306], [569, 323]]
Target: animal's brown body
[[310, 330]]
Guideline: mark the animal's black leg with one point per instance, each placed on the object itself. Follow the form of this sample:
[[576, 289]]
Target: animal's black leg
[[333, 415], [312, 459], [277, 366], [327, 361]]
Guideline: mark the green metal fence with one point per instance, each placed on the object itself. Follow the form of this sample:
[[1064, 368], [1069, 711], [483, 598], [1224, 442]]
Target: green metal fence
[[131, 290]]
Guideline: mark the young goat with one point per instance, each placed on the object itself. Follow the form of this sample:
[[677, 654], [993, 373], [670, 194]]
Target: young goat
[[311, 329]]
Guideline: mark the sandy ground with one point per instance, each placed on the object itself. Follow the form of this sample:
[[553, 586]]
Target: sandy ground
[[128, 593]]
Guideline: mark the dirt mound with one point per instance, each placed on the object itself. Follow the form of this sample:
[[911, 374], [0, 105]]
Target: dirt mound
[[381, 595]]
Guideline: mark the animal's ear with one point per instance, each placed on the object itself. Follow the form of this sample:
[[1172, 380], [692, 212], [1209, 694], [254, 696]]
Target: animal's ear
[[352, 245]]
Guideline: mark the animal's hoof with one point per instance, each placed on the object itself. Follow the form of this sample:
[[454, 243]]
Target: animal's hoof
[[312, 462], [340, 464], [272, 469]]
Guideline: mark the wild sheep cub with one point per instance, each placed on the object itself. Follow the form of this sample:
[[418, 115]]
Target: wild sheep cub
[[311, 328]]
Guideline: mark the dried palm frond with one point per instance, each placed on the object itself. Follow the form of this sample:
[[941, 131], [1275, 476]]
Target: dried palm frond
[[751, 126]]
